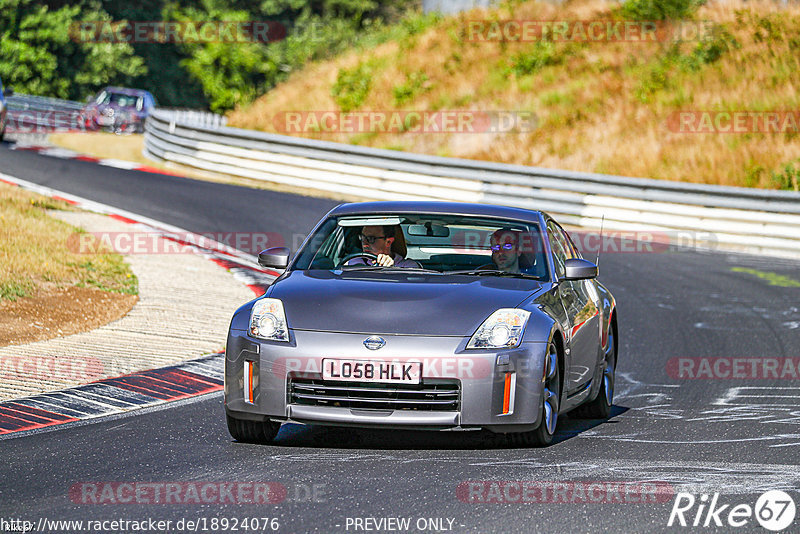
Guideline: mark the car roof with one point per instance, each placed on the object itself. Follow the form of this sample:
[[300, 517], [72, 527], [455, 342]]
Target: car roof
[[127, 91], [436, 208]]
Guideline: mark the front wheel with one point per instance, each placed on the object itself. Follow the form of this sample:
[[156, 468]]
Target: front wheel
[[252, 431], [542, 436]]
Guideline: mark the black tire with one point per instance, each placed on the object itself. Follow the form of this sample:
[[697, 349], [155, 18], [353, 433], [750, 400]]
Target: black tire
[[252, 431], [600, 407], [542, 436]]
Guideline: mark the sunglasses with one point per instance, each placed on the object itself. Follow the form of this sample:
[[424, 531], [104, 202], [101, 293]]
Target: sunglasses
[[504, 246], [370, 238]]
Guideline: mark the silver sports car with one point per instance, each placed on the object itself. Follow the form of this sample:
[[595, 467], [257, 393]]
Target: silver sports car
[[424, 315]]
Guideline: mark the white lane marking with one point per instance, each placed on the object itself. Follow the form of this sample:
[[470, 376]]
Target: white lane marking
[[735, 394], [684, 475], [757, 404], [156, 226], [57, 152], [65, 153], [693, 477], [741, 413], [706, 326], [629, 387], [142, 410], [637, 439], [86, 401], [751, 260], [119, 164]]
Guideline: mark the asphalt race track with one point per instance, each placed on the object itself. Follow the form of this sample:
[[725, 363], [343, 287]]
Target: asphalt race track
[[738, 437]]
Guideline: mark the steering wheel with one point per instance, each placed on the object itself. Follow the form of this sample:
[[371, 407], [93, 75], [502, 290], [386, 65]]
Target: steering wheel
[[357, 255]]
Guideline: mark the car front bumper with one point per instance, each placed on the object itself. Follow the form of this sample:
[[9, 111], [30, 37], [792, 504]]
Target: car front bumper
[[496, 389]]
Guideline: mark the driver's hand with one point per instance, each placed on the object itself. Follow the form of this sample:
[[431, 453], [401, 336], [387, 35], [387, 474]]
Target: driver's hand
[[384, 260]]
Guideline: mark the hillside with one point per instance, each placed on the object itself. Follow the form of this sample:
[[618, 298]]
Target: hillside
[[609, 105]]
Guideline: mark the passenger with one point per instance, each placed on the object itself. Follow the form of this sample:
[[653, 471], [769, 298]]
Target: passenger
[[387, 243], [505, 251]]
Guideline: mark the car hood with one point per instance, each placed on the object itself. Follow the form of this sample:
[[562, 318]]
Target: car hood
[[393, 302]]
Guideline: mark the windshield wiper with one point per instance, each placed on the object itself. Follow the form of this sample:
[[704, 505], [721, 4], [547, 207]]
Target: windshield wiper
[[493, 272]]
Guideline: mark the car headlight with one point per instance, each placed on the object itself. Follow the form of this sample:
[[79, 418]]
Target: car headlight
[[268, 320], [503, 329]]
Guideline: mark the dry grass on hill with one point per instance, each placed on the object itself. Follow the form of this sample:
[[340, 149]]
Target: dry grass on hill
[[600, 106]]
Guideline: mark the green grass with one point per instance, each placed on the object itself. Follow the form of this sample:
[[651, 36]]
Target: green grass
[[659, 9], [788, 177], [772, 279], [15, 290], [414, 85], [352, 86]]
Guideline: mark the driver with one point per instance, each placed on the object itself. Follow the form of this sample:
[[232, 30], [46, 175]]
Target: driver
[[383, 242]]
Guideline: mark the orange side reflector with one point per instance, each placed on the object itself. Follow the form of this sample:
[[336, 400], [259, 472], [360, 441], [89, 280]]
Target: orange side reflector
[[248, 381], [507, 393]]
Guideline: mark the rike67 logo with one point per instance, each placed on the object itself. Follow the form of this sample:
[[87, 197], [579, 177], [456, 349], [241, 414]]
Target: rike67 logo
[[774, 510]]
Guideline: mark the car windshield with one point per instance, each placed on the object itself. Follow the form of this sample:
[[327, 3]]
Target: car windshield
[[121, 100], [447, 244]]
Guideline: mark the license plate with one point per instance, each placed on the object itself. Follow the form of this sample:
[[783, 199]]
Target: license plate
[[104, 121], [372, 371]]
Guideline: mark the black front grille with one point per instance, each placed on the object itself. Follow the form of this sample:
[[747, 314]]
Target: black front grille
[[433, 395]]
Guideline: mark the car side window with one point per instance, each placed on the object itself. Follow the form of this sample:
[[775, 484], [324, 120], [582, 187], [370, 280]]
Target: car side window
[[560, 248], [571, 248]]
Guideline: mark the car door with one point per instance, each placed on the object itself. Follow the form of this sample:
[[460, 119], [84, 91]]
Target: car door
[[590, 288], [581, 311]]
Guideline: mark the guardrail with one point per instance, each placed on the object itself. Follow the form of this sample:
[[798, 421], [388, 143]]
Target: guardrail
[[36, 114], [195, 118], [729, 217], [23, 102]]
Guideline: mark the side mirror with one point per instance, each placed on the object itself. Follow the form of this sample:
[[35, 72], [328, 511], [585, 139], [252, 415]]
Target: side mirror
[[276, 257], [577, 269], [8, 91]]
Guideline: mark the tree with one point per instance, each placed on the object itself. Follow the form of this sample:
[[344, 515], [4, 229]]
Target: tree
[[42, 53]]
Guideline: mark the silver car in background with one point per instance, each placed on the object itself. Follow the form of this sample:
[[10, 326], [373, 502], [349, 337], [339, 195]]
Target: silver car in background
[[454, 343]]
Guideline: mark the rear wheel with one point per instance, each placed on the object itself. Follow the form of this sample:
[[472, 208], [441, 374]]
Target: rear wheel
[[252, 431], [542, 436], [600, 408]]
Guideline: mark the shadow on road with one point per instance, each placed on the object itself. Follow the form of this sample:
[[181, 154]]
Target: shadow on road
[[315, 436]]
